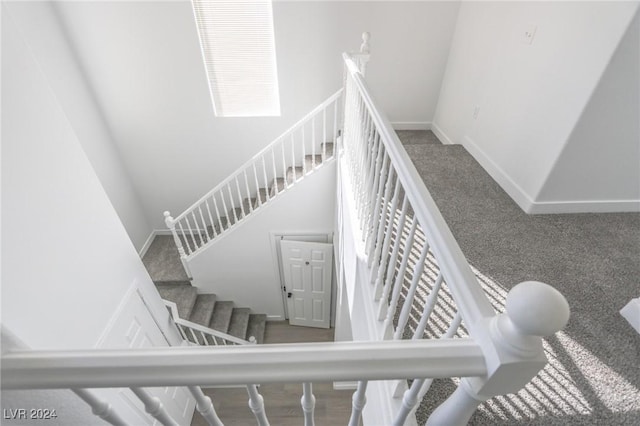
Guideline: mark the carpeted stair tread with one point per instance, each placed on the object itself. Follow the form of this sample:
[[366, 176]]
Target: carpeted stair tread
[[290, 176], [262, 194], [239, 322], [256, 327], [183, 295], [162, 260], [272, 187], [238, 214], [221, 316], [329, 149], [203, 309]]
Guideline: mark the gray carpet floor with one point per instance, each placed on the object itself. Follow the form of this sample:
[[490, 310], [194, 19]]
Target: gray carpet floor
[[162, 261], [593, 377]]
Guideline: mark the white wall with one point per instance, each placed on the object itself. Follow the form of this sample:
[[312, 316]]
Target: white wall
[[41, 28], [530, 96], [601, 160], [143, 60], [242, 266], [67, 261]]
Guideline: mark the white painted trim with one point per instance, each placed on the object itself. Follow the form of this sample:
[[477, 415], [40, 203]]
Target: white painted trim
[[529, 206], [440, 134], [411, 125], [147, 244], [133, 288], [275, 318], [517, 194], [345, 385], [631, 312], [591, 206]]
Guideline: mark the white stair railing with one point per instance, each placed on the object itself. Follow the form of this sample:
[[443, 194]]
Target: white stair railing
[[435, 319], [197, 334], [422, 286], [302, 149]]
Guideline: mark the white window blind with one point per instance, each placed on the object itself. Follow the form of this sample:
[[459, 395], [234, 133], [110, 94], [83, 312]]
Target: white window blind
[[238, 48]]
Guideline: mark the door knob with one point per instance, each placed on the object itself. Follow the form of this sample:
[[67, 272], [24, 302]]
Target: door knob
[[306, 263], [289, 295]]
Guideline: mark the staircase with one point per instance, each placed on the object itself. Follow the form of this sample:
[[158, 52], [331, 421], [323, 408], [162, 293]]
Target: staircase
[[162, 261], [207, 311], [298, 152]]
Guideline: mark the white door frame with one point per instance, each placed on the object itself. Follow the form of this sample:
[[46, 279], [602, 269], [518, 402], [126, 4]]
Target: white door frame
[[310, 237]]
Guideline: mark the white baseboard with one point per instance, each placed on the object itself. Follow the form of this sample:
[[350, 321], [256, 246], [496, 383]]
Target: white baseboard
[[516, 193], [440, 134], [276, 318], [592, 206], [529, 206], [631, 312], [149, 241], [411, 125]]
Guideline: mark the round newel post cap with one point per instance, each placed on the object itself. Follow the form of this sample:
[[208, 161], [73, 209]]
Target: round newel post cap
[[537, 309], [168, 220], [364, 47]]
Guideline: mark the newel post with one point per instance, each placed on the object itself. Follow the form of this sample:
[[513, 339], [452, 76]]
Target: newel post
[[512, 345], [171, 224], [364, 56]]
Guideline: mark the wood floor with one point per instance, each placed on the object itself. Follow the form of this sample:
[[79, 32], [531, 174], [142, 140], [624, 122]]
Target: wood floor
[[282, 400]]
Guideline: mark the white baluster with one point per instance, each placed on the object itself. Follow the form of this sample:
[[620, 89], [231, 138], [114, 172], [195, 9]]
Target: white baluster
[[324, 134], [382, 308], [215, 206], [233, 205], [313, 142], [358, 401], [400, 276], [284, 167], [453, 328], [383, 265], [153, 406], [213, 224], [373, 194], [428, 307], [225, 209], [266, 181], [335, 127], [240, 197], [100, 407], [197, 228], [246, 185], [408, 301], [275, 173], [304, 152], [308, 402], [293, 157], [256, 404], [377, 214], [375, 160], [193, 237], [513, 350], [255, 175], [205, 406]]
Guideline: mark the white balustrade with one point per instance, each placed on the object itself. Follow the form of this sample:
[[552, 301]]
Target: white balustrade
[[256, 404], [358, 401], [407, 248], [154, 407], [308, 403], [199, 334], [204, 405], [100, 407], [262, 177]]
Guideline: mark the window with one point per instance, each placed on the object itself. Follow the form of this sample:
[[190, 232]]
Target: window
[[238, 48]]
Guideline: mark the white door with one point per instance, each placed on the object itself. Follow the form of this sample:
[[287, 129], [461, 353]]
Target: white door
[[135, 328], [307, 276]]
